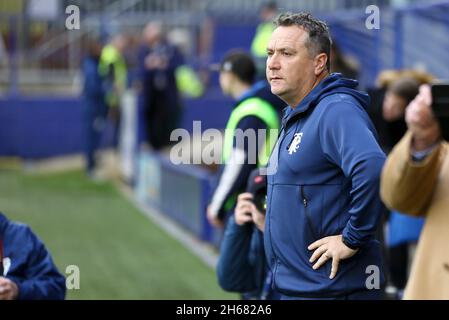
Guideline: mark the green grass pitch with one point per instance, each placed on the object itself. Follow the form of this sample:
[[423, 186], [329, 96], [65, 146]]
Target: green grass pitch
[[121, 254]]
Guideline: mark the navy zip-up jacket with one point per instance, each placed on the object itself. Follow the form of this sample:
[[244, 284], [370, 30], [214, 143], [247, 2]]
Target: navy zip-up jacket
[[30, 264], [326, 183]]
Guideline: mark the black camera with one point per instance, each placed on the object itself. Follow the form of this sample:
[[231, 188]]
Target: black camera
[[440, 106], [257, 186]]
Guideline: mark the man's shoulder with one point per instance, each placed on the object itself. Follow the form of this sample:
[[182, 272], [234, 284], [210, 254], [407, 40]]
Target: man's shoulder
[[339, 98], [339, 104], [19, 241], [18, 230], [251, 121]]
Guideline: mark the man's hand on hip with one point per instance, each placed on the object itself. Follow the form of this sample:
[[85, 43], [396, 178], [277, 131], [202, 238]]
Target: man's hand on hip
[[330, 248]]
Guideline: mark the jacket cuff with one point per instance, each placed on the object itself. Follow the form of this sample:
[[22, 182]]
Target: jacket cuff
[[349, 244], [406, 150], [350, 240]]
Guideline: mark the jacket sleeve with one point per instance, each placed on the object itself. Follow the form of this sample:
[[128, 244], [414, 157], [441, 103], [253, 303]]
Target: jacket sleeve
[[408, 186], [42, 281], [348, 139], [234, 271]]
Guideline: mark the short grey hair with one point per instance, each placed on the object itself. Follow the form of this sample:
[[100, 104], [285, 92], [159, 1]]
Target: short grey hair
[[319, 37]]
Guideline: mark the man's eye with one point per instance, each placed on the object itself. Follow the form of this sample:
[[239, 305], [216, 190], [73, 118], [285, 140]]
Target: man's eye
[[286, 54]]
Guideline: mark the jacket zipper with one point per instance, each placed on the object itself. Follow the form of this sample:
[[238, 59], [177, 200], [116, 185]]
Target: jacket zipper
[[271, 245], [305, 203], [283, 132]]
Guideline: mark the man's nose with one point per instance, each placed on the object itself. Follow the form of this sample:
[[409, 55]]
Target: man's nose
[[273, 62]]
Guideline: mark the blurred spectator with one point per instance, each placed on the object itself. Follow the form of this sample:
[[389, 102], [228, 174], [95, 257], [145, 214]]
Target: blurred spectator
[[386, 77], [340, 63], [95, 108], [27, 271], [415, 181], [134, 41], [403, 231], [242, 266], [395, 88], [112, 68], [3, 52], [398, 95], [256, 108], [187, 80], [205, 44], [263, 33], [158, 63]]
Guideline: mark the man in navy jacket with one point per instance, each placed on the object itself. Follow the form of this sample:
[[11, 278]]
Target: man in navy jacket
[[28, 269], [323, 204]]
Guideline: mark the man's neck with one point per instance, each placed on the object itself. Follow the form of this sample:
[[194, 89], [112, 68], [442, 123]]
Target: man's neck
[[304, 94], [239, 89]]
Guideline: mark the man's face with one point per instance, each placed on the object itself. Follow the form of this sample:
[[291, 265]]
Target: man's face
[[152, 33], [121, 42], [393, 107], [267, 14], [226, 80], [290, 67]]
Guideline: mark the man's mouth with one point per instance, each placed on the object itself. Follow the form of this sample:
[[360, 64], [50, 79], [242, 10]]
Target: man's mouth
[[275, 78]]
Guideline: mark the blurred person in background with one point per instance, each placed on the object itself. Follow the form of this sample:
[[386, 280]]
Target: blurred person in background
[[398, 95], [265, 28], [255, 108], [394, 89], [3, 52], [27, 271], [113, 71], [162, 105], [415, 181], [95, 107], [398, 89], [205, 36], [343, 64], [242, 266], [403, 231], [187, 80]]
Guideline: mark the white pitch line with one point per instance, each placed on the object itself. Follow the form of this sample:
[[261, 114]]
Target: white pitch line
[[202, 250]]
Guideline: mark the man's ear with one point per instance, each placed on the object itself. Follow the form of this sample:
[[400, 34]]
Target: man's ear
[[320, 63]]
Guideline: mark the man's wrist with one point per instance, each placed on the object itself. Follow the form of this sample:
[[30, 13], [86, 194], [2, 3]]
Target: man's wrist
[[421, 144], [349, 245], [419, 156]]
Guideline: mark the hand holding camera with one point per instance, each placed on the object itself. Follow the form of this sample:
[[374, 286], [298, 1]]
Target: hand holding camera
[[251, 204], [246, 212], [421, 120]]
